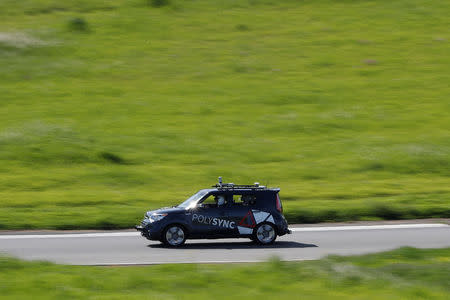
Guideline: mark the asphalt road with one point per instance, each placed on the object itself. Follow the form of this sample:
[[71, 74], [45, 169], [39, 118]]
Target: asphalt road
[[127, 247]]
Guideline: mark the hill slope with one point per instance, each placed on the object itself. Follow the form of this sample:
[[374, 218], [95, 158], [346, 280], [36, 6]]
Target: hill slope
[[110, 108]]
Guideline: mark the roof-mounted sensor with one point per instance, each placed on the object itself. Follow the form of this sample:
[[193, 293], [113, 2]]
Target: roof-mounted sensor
[[232, 186]]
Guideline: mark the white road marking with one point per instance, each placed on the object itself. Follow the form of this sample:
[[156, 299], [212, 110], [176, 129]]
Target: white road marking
[[135, 234], [234, 261], [68, 235], [368, 227]]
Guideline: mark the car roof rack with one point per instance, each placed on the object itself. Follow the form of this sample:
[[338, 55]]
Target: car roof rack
[[232, 186]]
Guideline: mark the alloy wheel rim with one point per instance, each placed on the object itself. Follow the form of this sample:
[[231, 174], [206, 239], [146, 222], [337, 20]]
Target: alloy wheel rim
[[175, 235], [265, 233]]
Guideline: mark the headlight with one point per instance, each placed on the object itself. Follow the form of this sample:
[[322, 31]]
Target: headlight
[[157, 217], [145, 222]]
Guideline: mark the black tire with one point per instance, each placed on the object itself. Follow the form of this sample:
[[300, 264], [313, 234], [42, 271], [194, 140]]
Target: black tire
[[264, 234], [174, 235]]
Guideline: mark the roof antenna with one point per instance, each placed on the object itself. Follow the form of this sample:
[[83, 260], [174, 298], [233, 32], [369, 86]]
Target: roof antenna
[[220, 181]]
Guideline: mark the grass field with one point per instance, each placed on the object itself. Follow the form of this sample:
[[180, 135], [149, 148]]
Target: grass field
[[110, 108], [405, 273]]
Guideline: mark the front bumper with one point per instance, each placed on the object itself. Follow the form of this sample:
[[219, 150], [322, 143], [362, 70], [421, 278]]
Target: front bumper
[[145, 231], [144, 228], [150, 230]]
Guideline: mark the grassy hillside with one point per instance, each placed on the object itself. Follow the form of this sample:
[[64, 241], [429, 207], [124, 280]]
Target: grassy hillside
[[406, 273], [109, 108]]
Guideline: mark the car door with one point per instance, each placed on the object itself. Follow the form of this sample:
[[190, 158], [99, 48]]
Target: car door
[[240, 213], [208, 220]]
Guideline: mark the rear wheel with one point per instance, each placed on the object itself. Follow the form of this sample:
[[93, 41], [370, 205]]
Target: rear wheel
[[264, 234], [174, 236]]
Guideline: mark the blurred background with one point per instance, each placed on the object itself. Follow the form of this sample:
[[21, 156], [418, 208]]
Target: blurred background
[[111, 108]]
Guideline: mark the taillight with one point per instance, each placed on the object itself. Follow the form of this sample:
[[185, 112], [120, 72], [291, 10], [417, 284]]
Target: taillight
[[279, 206]]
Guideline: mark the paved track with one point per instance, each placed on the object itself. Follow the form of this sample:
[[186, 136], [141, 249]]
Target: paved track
[[127, 247]]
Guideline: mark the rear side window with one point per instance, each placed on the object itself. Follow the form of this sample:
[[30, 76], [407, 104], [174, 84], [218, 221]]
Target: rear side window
[[244, 200]]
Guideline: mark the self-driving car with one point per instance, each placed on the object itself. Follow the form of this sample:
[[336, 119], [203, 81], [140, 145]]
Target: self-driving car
[[224, 211]]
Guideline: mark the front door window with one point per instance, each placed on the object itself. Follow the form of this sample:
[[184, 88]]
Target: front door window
[[210, 217]]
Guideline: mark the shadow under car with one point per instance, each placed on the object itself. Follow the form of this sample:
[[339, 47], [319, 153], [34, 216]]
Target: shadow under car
[[236, 245]]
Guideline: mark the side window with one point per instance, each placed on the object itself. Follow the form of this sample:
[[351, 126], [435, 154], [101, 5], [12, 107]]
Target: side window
[[237, 200], [218, 200], [249, 200], [210, 201], [244, 200]]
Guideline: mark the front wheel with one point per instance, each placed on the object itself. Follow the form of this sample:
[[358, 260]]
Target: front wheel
[[174, 236], [264, 234]]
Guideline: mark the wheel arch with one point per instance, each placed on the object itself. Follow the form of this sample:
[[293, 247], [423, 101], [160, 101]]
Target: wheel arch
[[182, 225], [274, 226]]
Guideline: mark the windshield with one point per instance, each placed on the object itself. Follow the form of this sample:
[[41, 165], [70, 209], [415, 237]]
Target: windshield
[[193, 199]]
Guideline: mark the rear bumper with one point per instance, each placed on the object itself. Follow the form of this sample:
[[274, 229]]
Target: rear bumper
[[282, 230]]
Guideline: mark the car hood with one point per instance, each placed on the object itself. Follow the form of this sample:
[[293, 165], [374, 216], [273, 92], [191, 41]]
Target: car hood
[[166, 210]]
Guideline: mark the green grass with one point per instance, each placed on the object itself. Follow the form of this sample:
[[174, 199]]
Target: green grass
[[406, 273], [108, 109]]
